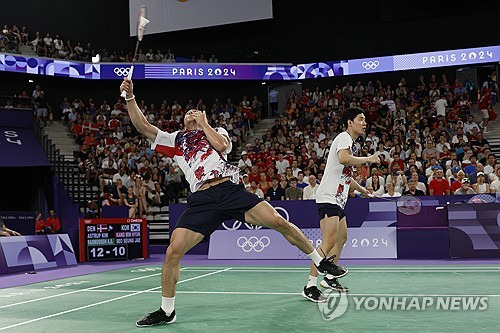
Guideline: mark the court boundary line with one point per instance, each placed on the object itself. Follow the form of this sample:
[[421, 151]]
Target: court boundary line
[[80, 290], [104, 302], [236, 270], [294, 293]]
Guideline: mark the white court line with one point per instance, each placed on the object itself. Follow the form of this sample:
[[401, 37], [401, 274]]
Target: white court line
[[353, 270], [288, 293], [80, 290], [194, 268], [104, 302]]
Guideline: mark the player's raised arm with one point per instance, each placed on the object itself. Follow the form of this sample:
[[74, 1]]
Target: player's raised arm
[[140, 122]]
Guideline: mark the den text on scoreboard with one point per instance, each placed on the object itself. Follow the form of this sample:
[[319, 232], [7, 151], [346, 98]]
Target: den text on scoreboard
[[113, 239]]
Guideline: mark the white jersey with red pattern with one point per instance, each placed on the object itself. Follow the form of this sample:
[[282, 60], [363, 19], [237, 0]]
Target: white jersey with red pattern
[[334, 186], [196, 157]]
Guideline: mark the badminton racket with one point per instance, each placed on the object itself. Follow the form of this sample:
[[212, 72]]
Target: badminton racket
[[142, 21], [406, 204]]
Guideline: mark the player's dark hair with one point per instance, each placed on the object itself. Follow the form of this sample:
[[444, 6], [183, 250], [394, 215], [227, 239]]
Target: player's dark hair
[[350, 114]]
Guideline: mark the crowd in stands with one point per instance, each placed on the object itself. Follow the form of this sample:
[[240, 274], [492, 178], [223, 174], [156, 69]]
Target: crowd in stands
[[425, 134], [54, 46], [120, 162]]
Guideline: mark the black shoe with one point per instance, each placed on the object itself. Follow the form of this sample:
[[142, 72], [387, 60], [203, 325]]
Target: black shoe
[[327, 266], [156, 318], [333, 284], [314, 294]]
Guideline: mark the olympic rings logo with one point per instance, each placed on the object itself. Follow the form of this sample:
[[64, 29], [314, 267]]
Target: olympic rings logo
[[370, 64], [121, 71], [253, 243]]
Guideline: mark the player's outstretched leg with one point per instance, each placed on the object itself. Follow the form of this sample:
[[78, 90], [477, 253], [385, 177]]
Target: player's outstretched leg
[[182, 241], [265, 215]]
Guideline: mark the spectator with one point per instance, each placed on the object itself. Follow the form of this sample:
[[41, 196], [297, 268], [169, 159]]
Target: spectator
[[293, 192], [310, 190], [244, 160], [92, 210], [39, 223], [275, 192], [455, 185], [131, 202], [375, 187], [255, 190], [118, 193], [264, 184], [273, 101], [412, 189], [483, 106], [481, 186], [389, 187], [301, 181], [439, 185], [465, 187], [52, 223], [470, 124], [173, 184]]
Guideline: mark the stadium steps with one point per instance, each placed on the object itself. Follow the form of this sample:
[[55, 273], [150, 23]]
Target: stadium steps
[[259, 129], [494, 132], [158, 223], [59, 135], [27, 50], [78, 187]]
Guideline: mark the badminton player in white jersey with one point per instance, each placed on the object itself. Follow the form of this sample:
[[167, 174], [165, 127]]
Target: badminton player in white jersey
[[332, 195], [201, 151]]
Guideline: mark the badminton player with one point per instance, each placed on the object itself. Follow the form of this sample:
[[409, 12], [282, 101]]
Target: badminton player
[[331, 198], [201, 151]]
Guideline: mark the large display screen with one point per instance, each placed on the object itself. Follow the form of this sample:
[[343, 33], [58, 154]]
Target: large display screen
[[265, 72], [113, 239]]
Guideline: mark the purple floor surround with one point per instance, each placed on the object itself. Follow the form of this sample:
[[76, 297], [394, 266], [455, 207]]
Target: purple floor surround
[[20, 279]]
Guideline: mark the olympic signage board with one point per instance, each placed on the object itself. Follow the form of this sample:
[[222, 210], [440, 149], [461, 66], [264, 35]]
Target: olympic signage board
[[265, 72], [269, 244]]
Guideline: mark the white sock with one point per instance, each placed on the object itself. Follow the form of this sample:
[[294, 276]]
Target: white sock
[[313, 280], [315, 257], [167, 304]]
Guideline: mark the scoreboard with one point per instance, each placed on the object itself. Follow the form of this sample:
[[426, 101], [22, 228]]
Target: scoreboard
[[113, 239]]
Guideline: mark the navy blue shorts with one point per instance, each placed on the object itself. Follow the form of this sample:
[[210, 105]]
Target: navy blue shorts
[[330, 210], [207, 209]]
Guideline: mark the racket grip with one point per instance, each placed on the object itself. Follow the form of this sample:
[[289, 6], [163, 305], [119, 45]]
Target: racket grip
[[129, 76]]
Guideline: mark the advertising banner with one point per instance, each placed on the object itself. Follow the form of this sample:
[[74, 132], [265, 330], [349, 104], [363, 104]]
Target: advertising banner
[[27, 253], [474, 230]]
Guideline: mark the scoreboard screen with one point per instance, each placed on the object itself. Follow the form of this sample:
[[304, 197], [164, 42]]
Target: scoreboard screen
[[113, 239]]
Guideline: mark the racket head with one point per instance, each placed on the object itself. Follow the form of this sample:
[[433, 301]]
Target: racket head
[[409, 205], [142, 21]]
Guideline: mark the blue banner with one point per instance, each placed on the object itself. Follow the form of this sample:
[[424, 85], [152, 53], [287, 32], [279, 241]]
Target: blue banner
[[266, 72]]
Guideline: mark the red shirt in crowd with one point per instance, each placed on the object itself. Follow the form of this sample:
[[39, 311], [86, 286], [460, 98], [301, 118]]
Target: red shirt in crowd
[[484, 102], [439, 186], [455, 186], [39, 225], [53, 223]]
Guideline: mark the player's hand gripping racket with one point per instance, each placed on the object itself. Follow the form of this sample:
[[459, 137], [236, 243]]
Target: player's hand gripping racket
[[407, 204], [142, 21]]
